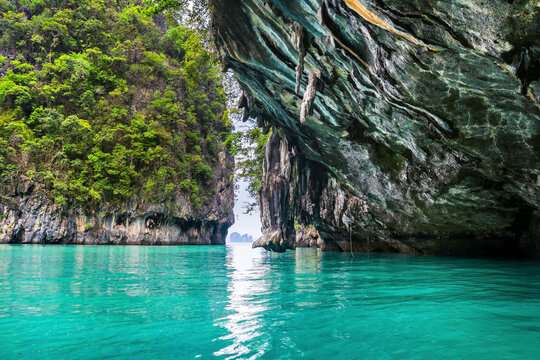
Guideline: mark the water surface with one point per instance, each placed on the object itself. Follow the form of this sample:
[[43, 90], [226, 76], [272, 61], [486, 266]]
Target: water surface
[[75, 302]]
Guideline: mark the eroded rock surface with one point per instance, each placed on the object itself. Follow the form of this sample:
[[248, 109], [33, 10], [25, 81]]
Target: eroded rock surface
[[414, 128], [27, 216]]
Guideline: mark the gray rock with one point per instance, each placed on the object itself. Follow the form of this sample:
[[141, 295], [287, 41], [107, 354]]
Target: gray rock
[[28, 216], [422, 130]]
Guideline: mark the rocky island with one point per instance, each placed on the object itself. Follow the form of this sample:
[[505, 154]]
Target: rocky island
[[374, 126], [112, 128], [393, 126], [397, 125]]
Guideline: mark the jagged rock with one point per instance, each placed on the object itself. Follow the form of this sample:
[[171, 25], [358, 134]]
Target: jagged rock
[[308, 236], [422, 135], [271, 241]]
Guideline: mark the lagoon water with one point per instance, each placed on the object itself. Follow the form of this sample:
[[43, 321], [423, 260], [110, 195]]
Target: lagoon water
[[232, 302]]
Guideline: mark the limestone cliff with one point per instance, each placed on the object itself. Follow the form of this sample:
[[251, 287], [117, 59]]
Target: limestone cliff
[[28, 216], [113, 127], [398, 125]]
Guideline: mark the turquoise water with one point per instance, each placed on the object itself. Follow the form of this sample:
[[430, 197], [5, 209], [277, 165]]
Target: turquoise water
[[74, 302]]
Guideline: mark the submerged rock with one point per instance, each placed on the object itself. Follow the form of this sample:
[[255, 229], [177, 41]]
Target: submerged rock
[[414, 127]]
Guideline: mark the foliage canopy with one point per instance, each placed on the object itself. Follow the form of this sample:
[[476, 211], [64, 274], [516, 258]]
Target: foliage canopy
[[101, 102]]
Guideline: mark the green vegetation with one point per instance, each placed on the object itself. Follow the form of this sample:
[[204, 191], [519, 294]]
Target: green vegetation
[[99, 104]]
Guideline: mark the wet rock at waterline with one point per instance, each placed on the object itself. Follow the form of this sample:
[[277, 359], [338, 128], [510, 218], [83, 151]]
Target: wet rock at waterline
[[29, 217], [398, 126]]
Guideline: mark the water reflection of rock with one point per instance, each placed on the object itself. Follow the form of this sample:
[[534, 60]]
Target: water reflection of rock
[[307, 268], [247, 302]]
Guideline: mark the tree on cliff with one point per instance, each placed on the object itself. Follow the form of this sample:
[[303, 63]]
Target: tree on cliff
[[247, 144], [100, 102]]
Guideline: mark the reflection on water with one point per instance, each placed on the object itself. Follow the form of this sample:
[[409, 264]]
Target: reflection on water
[[245, 324], [237, 303]]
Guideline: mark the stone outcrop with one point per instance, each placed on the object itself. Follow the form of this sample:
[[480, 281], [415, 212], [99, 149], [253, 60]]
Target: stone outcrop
[[27, 216], [404, 126]]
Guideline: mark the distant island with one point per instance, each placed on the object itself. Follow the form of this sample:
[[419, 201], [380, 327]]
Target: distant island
[[245, 238]]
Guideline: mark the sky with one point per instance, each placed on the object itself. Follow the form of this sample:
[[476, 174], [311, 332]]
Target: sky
[[245, 223]]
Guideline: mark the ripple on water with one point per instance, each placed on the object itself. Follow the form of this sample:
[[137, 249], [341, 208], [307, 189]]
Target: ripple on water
[[237, 303]]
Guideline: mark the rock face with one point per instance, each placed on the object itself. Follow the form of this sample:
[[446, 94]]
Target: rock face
[[398, 125], [27, 216]]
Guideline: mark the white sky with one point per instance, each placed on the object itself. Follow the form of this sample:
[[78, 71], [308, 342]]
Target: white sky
[[245, 223]]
